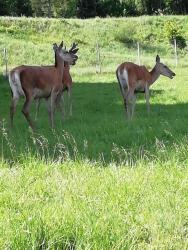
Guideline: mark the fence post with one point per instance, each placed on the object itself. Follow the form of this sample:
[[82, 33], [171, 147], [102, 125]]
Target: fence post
[[98, 68], [6, 62], [138, 54], [175, 51]]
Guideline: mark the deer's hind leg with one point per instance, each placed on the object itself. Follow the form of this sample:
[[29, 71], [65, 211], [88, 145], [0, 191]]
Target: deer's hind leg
[[38, 103], [51, 106], [69, 91], [124, 88], [131, 100], [147, 96], [124, 91], [13, 108], [26, 109]]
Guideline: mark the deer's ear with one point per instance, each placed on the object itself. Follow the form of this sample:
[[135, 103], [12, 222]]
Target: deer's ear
[[157, 59], [55, 47], [61, 45]]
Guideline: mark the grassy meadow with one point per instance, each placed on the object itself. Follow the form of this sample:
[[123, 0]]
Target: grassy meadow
[[97, 181]]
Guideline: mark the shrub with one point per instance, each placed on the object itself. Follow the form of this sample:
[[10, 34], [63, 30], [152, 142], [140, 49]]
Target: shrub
[[127, 35], [180, 41], [173, 31]]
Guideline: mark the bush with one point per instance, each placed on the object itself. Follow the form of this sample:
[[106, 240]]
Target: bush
[[180, 41], [127, 35], [173, 31]]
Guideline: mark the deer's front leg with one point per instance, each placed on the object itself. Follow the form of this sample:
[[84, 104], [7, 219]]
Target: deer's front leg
[[70, 101], [38, 102], [147, 96], [51, 107], [61, 106]]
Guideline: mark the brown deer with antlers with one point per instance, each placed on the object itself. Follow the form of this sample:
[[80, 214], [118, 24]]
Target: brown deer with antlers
[[36, 82], [67, 85], [133, 78]]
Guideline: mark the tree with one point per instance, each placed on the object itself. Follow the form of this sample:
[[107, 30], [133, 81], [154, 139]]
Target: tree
[[23, 7], [4, 8], [91, 8], [65, 8], [42, 7], [87, 8]]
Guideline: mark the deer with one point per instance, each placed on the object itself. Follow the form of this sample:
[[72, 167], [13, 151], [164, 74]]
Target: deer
[[36, 82], [133, 78], [67, 84]]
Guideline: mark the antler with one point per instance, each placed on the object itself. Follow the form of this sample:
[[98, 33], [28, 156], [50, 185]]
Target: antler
[[73, 49], [61, 45]]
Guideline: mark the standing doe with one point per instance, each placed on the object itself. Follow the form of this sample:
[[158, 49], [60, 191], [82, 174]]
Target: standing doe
[[133, 78], [36, 82], [67, 83]]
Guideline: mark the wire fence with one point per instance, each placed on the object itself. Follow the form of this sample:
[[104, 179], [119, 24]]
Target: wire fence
[[5, 62], [106, 61], [174, 59]]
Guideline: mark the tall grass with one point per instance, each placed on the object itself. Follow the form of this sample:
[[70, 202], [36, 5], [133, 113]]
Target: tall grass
[[83, 206]]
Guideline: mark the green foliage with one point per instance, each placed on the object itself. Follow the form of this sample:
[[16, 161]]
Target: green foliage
[[181, 42], [65, 8], [91, 8], [15, 8], [174, 31], [115, 36], [127, 34]]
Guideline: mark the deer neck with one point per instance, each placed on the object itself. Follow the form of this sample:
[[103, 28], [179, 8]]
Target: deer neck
[[59, 62], [66, 65], [154, 74]]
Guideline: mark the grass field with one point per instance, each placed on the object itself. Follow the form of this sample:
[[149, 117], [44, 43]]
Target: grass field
[[96, 181]]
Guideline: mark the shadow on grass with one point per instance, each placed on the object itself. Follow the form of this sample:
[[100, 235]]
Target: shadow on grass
[[98, 128]]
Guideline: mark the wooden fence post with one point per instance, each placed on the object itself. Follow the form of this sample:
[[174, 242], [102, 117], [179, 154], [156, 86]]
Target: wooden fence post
[[98, 70], [175, 51], [138, 53], [6, 62]]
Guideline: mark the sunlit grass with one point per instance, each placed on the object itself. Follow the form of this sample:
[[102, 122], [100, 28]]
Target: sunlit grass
[[82, 205]]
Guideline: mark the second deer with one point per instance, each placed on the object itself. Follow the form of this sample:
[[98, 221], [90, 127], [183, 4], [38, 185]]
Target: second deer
[[133, 78]]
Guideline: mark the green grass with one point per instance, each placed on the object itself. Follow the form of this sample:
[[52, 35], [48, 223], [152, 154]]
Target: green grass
[[97, 181], [83, 206], [30, 40]]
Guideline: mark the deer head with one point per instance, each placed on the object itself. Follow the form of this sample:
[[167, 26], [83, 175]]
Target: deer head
[[73, 50], [67, 56], [163, 69]]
